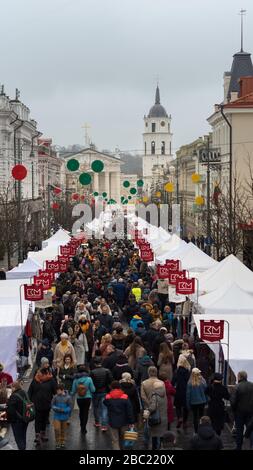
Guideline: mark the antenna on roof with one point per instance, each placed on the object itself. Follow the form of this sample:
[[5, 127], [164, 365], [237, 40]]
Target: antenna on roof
[[242, 14]]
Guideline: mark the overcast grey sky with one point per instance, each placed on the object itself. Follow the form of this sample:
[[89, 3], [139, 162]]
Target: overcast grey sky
[[96, 61]]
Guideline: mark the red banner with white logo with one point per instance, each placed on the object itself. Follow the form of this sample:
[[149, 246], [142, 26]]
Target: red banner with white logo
[[162, 271], [147, 255], [45, 283], [46, 274], [65, 250], [145, 246], [63, 266], [211, 330], [53, 266], [33, 293], [185, 286], [173, 264], [175, 275]]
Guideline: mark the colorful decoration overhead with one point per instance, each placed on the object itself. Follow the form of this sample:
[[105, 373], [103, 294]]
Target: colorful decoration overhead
[[75, 197], [55, 206], [19, 172], [85, 179], [133, 190], [97, 166], [158, 193], [196, 178], [95, 194], [140, 183], [57, 190], [199, 200], [169, 187], [104, 194], [73, 164], [126, 184]]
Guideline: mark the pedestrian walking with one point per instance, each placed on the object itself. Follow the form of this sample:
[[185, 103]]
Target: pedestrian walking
[[61, 405], [195, 396], [15, 415], [206, 439], [217, 393], [102, 378], [180, 381], [242, 405], [83, 388]]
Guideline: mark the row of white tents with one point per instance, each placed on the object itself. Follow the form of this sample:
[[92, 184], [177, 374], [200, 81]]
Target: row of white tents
[[225, 291], [12, 302]]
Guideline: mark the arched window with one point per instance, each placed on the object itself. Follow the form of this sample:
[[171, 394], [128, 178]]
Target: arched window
[[153, 126], [145, 148], [163, 147], [153, 147]]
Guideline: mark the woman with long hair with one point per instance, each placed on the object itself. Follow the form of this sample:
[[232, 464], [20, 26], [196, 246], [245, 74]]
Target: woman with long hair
[[166, 360], [195, 396], [67, 372], [180, 381], [134, 352], [106, 341]]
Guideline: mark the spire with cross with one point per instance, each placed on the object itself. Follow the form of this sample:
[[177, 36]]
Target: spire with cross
[[242, 14], [87, 137]]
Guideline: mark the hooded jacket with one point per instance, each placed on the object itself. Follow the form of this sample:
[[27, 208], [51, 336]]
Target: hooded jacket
[[61, 405], [134, 322], [206, 439], [84, 379], [120, 410], [118, 340], [121, 367]]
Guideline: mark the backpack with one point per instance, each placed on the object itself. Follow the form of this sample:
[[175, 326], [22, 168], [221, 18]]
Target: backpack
[[28, 409], [81, 390]]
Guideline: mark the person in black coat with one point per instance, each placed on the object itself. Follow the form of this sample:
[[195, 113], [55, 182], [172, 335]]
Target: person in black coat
[[106, 320], [14, 413], [217, 393], [180, 380], [41, 391], [110, 361], [128, 386], [48, 331], [206, 439], [45, 350], [120, 367]]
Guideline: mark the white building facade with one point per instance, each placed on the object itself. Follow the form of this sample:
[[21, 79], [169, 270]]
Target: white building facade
[[157, 140]]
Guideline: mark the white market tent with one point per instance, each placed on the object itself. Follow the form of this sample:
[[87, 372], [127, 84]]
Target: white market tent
[[240, 340], [27, 269], [61, 237], [191, 257], [10, 321], [228, 299], [173, 243], [49, 253], [229, 269]]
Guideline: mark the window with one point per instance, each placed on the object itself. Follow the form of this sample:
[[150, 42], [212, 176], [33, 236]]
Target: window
[[153, 148], [153, 126], [145, 148], [163, 147]]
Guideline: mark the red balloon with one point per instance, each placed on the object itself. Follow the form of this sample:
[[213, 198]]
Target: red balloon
[[55, 205], [82, 198], [57, 190], [75, 196], [19, 172]]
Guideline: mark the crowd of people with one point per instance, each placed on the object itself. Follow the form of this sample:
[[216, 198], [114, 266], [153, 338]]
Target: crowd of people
[[110, 341]]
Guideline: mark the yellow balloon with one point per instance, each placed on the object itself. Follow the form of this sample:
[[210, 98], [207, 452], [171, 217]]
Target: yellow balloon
[[199, 200], [195, 178], [145, 199], [158, 194], [169, 187]]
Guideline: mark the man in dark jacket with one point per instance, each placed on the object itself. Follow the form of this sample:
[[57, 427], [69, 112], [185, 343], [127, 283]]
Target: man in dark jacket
[[120, 367], [45, 350], [120, 413], [206, 439], [110, 361], [141, 372], [242, 405], [102, 379], [120, 292], [48, 331], [41, 391], [106, 320], [14, 414]]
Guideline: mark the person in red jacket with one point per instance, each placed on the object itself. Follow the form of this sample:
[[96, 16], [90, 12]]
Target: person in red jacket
[[170, 392], [4, 376]]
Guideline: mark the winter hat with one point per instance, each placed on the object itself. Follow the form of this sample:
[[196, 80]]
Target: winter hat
[[218, 377], [45, 342]]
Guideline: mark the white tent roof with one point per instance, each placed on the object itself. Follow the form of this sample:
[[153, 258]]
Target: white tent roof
[[240, 340], [48, 253], [165, 247], [191, 257], [174, 248], [10, 291], [24, 270], [228, 299], [229, 269], [61, 237]]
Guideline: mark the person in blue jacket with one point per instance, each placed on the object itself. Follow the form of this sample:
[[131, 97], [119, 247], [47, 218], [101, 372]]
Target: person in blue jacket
[[83, 387], [196, 396], [61, 405], [120, 291]]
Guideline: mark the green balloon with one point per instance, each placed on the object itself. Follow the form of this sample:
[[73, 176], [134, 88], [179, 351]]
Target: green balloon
[[106, 199], [104, 194], [95, 193], [73, 164], [97, 166], [140, 183], [126, 184], [133, 190], [85, 179], [122, 198], [129, 197]]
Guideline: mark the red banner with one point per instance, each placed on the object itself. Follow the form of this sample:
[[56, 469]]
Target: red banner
[[175, 275], [147, 255], [65, 250], [46, 274], [145, 246], [63, 266], [172, 264], [53, 266], [43, 282], [162, 271], [33, 293], [185, 286], [211, 330]]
